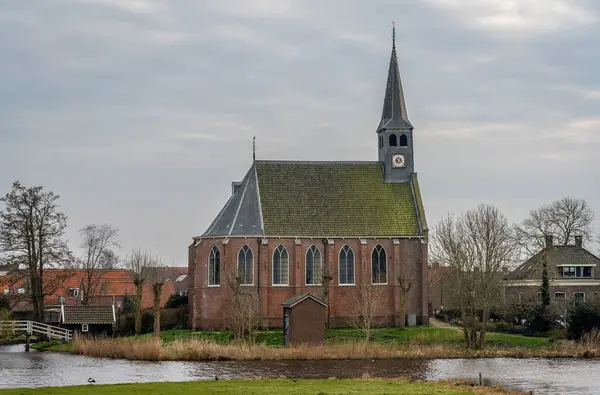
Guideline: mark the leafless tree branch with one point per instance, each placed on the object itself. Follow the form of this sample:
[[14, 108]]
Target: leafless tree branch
[[136, 264], [98, 243], [366, 312], [563, 219], [157, 277], [478, 247], [31, 235]]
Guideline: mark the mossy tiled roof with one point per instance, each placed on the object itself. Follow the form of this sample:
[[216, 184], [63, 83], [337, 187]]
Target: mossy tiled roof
[[334, 199], [321, 199]]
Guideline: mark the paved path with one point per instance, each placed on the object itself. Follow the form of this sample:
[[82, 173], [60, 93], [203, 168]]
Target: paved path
[[441, 324]]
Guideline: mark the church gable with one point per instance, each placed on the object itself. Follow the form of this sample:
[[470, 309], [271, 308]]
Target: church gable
[[241, 215], [315, 199]]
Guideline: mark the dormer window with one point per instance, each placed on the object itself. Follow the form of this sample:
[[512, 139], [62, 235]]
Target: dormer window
[[73, 292], [576, 271]]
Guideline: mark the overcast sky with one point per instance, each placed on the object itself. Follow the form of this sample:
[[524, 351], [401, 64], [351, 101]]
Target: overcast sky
[[140, 113]]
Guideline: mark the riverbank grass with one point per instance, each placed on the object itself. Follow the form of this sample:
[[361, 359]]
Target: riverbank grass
[[415, 342], [272, 387], [422, 335], [54, 346]]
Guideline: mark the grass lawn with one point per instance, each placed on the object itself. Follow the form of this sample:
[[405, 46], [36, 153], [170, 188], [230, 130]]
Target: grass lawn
[[393, 336], [54, 345], [266, 387]]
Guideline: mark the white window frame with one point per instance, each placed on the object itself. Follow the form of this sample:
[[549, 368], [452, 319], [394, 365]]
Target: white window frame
[[306, 266], [564, 294], [85, 327], [575, 267], [251, 283], [287, 283], [340, 265], [74, 291], [386, 265], [210, 253]]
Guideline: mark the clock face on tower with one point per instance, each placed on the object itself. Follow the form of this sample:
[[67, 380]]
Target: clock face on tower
[[398, 161]]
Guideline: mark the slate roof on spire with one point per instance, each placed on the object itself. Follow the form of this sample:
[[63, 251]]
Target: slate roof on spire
[[394, 114]]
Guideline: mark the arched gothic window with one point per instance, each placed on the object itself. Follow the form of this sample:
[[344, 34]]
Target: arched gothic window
[[393, 140], [280, 266], [346, 265], [313, 265], [403, 140], [379, 265], [245, 265], [214, 266]]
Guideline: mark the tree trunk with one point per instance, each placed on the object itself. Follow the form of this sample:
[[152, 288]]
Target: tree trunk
[[326, 300], [402, 310], [157, 290], [37, 298], [138, 308], [483, 330]]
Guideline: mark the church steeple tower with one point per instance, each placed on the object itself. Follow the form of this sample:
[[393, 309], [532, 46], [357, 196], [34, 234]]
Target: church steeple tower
[[395, 130]]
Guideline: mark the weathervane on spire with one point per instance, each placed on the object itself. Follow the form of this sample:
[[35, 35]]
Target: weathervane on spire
[[253, 148], [394, 35]]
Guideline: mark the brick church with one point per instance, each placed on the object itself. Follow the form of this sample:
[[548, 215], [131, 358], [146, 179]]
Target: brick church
[[293, 227]]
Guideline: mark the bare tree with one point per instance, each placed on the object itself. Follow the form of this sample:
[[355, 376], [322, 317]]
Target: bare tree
[[326, 278], [563, 219], [31, 235], [109, 260], [157, 277], [405, 285], [366, 312], [136, 264], [98, 241], [477, 246], [242, 313]]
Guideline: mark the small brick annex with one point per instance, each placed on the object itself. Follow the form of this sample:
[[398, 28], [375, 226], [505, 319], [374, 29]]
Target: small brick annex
[[208, 304]]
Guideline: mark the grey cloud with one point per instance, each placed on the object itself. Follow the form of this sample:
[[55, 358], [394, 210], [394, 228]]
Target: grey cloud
[[142, 112]]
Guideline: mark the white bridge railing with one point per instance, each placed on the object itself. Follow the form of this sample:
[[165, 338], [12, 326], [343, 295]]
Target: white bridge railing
[[36, 328]]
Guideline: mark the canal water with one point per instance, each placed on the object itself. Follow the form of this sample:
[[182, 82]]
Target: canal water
[[543, 376]]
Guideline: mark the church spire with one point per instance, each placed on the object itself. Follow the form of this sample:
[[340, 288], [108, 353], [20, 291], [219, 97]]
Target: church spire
[[394, 107]]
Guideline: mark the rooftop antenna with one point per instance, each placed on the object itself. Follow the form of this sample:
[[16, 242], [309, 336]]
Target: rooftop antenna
[[253, 148]]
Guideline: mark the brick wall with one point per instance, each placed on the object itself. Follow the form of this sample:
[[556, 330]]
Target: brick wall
[[208, 303], [511, 294]]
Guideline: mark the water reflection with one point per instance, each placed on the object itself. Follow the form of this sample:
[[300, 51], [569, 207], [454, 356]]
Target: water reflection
[[543, 376]]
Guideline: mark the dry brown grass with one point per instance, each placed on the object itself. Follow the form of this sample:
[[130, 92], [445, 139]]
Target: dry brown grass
[[591, 339], [202, 350]]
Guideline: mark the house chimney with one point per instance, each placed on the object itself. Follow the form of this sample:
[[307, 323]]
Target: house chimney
[[549, 240], [579, 241]]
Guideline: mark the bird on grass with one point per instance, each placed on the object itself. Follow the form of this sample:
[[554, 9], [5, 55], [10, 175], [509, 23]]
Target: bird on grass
[[91, 380]]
